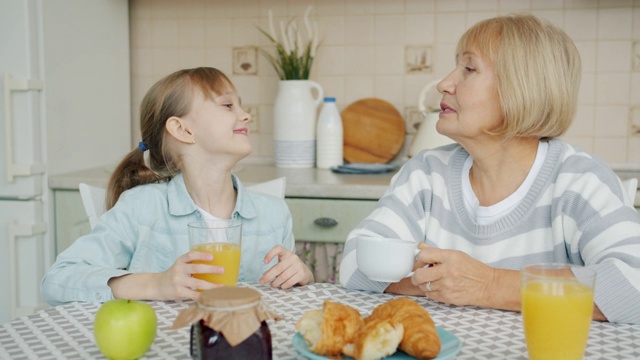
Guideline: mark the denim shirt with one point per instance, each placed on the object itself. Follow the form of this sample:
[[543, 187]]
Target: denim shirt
[[146, 231]]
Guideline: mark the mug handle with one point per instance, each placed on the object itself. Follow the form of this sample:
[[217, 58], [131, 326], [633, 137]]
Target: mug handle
[[410, 274]]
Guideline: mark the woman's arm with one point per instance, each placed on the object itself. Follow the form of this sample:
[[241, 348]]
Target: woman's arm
[[459, 279], [392, 218]]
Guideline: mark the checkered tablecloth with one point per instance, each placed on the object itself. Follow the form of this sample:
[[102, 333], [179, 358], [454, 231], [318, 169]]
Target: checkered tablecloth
[[66, 332]]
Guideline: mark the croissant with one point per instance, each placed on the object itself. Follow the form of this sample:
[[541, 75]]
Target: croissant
[[328, 329], [420, 338], [375, 340]]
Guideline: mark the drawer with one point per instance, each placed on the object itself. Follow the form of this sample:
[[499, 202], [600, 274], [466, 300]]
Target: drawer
[[326, 220]]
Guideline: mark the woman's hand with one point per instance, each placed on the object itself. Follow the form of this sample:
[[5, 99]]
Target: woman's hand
[[456, 278], [289, 270]]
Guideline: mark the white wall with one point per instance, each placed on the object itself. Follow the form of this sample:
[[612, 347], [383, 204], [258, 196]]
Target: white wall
[[363, 53]]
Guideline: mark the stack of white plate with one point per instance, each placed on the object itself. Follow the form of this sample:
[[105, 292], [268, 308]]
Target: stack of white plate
[[295, 154]]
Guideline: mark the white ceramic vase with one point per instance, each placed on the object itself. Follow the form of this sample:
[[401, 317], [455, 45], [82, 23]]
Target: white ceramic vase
[[294, 123]]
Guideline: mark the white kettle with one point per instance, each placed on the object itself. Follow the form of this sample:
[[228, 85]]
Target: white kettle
[[427, 137]]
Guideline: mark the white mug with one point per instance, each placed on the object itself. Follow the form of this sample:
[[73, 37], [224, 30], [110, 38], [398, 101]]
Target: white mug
[[385, 259]]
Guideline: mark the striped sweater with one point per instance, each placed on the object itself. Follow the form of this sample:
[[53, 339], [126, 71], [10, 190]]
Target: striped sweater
[[575, 212]]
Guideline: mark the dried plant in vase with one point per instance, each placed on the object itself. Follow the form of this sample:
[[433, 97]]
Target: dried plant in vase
[[294, 55]]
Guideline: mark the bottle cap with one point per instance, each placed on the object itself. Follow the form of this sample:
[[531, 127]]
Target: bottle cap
[[329, 99]]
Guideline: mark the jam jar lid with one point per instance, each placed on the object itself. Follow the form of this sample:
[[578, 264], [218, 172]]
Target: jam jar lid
[[235, 312], [229, 298]]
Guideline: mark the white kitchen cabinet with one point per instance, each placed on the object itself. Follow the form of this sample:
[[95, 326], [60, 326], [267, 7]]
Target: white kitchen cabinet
[[326, 220]]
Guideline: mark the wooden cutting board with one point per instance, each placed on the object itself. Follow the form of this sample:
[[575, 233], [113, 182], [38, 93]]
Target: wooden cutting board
[[374, 131]]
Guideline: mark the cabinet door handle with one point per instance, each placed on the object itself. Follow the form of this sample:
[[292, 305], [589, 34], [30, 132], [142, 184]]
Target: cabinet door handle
[[325, 222]]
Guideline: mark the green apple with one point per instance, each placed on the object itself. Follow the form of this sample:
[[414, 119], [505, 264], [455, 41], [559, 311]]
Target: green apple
[[125, 329]]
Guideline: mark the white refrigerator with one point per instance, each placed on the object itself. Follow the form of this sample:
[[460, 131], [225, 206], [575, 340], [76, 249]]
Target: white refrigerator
[[64, 106]]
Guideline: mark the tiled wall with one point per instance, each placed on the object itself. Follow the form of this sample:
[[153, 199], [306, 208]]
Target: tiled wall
[[363, 54]]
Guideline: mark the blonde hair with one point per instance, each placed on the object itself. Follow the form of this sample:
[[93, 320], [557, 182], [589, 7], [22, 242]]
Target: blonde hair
[[538, 73], [171, 96]]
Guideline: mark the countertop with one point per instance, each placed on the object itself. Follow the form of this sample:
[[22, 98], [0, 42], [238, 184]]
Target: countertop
[[303, 183]]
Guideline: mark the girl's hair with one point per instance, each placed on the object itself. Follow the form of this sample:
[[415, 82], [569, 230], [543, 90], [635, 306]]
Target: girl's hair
[[171, 96], [538, 73]]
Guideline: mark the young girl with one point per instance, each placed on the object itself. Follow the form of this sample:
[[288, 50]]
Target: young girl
[[195, 132]]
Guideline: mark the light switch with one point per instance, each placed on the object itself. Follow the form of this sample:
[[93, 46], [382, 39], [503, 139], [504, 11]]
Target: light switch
[[418, 59]]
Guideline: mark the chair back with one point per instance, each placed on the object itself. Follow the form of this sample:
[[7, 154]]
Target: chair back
[[94, 197], [631, 187], [275, 187]]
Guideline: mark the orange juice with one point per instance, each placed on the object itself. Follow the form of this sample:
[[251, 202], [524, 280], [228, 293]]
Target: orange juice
[[224, 254], [556, 316]]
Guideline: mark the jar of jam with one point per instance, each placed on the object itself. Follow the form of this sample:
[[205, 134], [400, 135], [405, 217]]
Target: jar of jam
[[228, 323]]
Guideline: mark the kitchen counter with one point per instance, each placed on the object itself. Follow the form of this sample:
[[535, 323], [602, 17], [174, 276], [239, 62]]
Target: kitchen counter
[[303, 183]]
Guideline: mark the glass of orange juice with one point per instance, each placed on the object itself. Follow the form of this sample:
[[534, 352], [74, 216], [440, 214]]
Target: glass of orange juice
[[557, 307], [222, 239]]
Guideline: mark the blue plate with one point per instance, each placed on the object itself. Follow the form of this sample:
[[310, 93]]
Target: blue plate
[[450, 345], [364, 168]]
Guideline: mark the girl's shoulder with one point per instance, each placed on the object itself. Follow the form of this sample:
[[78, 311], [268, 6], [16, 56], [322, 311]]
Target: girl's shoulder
[[262, 199]]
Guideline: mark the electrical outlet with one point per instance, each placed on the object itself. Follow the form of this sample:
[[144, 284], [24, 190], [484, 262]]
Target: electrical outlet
[[253, 122], [634, 120], [245, 60], [636, 56], [418, 59], [413, 119]]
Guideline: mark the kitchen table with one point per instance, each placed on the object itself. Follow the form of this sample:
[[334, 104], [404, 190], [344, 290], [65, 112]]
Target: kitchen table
[[66, 332]]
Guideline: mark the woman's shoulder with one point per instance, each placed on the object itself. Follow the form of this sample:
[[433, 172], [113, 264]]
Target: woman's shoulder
[[440, 160], [442, 153], [581, 171], [581, 162]]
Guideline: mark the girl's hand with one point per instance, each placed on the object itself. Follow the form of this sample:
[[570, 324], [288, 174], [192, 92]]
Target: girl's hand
[[177, 283], [289, 270]]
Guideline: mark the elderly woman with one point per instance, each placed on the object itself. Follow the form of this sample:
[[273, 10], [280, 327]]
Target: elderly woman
[[509, 193]]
